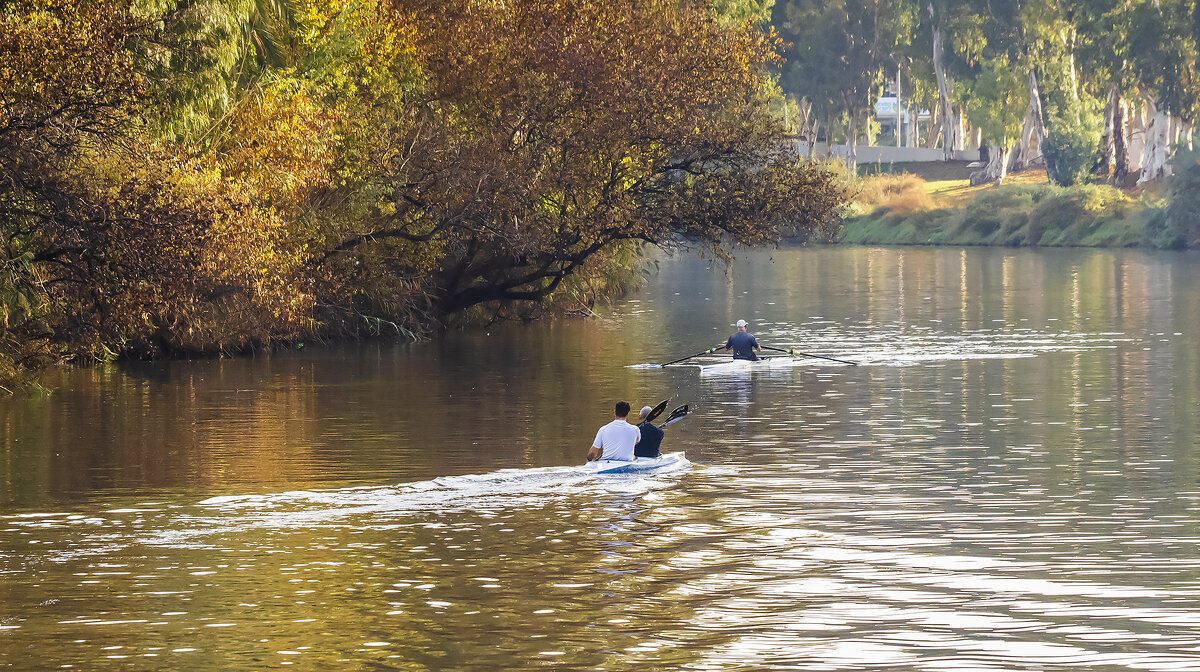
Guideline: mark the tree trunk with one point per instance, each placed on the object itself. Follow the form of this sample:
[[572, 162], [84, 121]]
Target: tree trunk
[[899, 118], [1156, 154], [935, 127], [949, 140], [1135, 115], [1108, 143], [1074, 80], [1182, 134], [1024, 154], [960, 133], [997, 168], [1035, 128], [1120, 168], [913, 132], [852, 137]]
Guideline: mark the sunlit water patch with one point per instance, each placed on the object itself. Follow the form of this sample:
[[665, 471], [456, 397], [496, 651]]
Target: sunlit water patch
[[895, 345]]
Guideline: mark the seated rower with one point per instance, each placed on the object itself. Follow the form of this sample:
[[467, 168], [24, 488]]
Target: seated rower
[[615, 441], [651, 436], [743, 344]]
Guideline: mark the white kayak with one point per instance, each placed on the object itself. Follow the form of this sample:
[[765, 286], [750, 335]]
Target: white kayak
[[639, 465], [739, 365]]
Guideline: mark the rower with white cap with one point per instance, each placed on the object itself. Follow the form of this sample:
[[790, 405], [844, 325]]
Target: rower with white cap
[[742, 343], [651, 436]]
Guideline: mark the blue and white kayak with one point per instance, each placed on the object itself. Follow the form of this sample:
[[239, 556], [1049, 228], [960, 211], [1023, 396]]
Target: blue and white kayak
[[640, 465]]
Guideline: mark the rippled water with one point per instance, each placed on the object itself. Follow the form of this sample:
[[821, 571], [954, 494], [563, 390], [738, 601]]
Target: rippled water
[[1006, 482]]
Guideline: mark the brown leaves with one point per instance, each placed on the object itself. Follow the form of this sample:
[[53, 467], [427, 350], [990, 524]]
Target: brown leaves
[[428, 157], [551, 129]]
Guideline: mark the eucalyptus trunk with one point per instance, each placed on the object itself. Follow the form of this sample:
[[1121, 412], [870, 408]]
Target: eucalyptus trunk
[[997, 168], [1035, 124], [913, 132], [852, 141], [935, 127], [1108, 143], [1156, 153], [1023, 157], [951, 130], [1120, 168]]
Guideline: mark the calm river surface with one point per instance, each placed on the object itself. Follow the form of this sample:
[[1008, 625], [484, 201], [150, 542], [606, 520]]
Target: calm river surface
[[1009, 481]]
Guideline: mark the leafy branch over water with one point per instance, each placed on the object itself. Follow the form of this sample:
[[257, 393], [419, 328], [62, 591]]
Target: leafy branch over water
[[221, 175]]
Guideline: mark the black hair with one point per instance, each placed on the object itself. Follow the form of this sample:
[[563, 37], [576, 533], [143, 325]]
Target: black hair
[[622, 409]]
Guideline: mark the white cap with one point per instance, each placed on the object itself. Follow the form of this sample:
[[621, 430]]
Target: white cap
[[646, 410], [741, 323]]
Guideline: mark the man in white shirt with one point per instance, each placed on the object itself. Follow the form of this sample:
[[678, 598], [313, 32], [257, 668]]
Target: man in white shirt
[[615, 441]]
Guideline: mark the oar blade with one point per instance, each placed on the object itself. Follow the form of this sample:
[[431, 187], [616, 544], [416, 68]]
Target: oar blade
[[675, 416], [662, 406]]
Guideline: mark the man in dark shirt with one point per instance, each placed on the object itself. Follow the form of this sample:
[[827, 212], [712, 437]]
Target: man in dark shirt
[[742, 343], [651, 436]]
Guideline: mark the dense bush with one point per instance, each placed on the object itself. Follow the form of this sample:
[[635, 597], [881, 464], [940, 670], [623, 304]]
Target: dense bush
[[1069, 148], [1180, 226]]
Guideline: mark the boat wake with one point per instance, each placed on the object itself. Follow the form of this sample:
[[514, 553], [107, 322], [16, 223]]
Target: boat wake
[[506, 488], [380, 507], [216, 521], [914, 347]]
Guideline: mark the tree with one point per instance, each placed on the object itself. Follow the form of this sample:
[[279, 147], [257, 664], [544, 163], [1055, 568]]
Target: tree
[[999, 93], [1164, 46], [551, 132], [838, 52], [169, 182]]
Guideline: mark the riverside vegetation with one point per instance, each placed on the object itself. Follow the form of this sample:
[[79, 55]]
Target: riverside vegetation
[[904, 209], [219, 175], [1098, 89], [1102, 94]]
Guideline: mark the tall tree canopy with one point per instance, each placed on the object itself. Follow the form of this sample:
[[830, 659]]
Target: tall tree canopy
[[1079, 81]]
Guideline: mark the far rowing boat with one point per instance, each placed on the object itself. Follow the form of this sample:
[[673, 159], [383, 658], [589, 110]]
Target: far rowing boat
[[739, 365]]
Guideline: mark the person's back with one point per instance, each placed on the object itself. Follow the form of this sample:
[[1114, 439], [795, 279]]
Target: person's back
[[615, 441], [743, 346], [651, 440]]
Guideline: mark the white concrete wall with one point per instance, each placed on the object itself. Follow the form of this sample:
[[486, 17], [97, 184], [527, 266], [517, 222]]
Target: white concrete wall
[[891, 154]]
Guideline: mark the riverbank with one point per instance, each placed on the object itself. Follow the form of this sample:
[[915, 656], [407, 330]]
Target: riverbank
[[941, 209]]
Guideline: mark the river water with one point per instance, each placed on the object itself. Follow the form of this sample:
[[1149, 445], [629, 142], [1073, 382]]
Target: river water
[[1007, 481]]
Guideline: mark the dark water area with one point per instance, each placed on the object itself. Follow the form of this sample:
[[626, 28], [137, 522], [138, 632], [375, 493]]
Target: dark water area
[[1007, 481]]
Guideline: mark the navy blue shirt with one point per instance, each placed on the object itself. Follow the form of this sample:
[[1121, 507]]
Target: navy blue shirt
[[651, 439], [743, 345]]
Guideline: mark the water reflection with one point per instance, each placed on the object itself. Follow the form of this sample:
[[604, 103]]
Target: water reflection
[[1006, 483]]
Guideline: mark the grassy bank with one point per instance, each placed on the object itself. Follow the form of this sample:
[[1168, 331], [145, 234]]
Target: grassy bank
[[908, 209]]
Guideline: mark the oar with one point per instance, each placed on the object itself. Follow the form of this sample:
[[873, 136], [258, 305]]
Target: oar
[[809, 354], [675, 416], [698, 354], [662, 406]]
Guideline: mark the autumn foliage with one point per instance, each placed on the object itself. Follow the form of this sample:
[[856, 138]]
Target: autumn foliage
[[403, 164]]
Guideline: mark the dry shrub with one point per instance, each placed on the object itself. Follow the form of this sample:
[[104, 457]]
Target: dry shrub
[[901, 194]]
